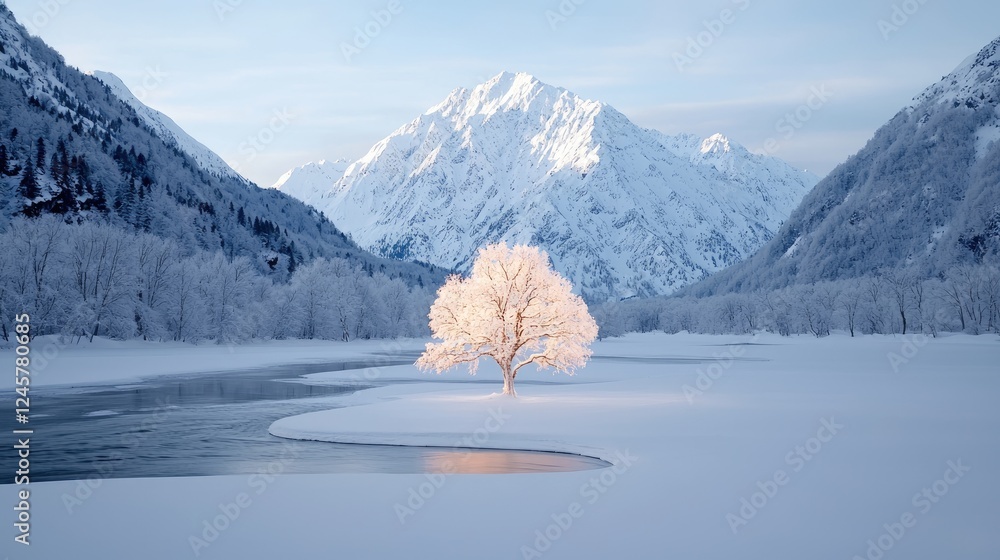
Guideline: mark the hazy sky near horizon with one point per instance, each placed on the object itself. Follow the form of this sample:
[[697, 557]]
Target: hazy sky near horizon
[[346, 74]]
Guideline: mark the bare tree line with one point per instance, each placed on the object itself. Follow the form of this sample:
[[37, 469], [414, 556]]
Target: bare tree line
[[965, 299], [89, 280]]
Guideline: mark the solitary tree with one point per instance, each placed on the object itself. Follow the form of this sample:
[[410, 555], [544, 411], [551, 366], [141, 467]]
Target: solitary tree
[[513, 308]]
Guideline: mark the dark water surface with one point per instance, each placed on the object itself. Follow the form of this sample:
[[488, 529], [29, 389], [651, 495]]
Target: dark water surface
[[216, 424]]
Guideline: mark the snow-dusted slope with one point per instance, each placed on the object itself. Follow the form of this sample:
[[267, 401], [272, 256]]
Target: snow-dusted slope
[[302, 182], [26, 60], [43, 81], [924, 193], [754, 172], [974, 83], [621, 210], [166, 128]]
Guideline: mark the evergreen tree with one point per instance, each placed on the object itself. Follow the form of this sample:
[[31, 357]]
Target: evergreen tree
[[54, 168], [28, 188], [40, 155], [125, 201], [142, 214], [100, 201], [64, 166], [64, 201], [292, 265]]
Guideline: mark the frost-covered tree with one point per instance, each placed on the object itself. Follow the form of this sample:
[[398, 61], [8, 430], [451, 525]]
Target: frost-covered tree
[[396, 303], [187, 317], [514, 309], [313, 290], [224, 287], [850, 302], [874, 296], [102, 268], [900, 286], [156, 260]]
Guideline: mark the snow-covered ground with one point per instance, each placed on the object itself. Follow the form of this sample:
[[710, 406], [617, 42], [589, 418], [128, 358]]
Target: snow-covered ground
[[725, 447]]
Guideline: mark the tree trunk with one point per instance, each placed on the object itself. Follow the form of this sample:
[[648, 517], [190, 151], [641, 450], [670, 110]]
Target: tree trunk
[[508, 382]]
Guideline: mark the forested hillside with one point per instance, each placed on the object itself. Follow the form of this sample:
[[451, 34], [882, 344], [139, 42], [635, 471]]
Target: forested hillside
[[76, 161]]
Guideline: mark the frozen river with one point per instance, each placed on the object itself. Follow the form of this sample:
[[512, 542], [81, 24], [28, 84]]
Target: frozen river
[[217, 424]]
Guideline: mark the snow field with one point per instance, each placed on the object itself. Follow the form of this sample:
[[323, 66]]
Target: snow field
[[793, 448]]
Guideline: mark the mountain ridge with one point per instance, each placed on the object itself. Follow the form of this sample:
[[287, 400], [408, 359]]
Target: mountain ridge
[[622, 210], [165, 127]]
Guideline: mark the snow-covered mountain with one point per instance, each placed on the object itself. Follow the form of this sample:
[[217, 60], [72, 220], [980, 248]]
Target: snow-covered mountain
[[302, 181], [622, 210], [924, 193], [166, 128]]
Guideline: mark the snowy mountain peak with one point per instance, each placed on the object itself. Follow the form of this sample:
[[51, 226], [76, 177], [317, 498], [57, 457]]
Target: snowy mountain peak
[[506, 92], [512, 90], [714, 144], [301, 181], [621, 210]]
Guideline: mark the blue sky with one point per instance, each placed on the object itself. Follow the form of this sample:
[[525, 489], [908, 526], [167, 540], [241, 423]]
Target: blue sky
[[223, 68]]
